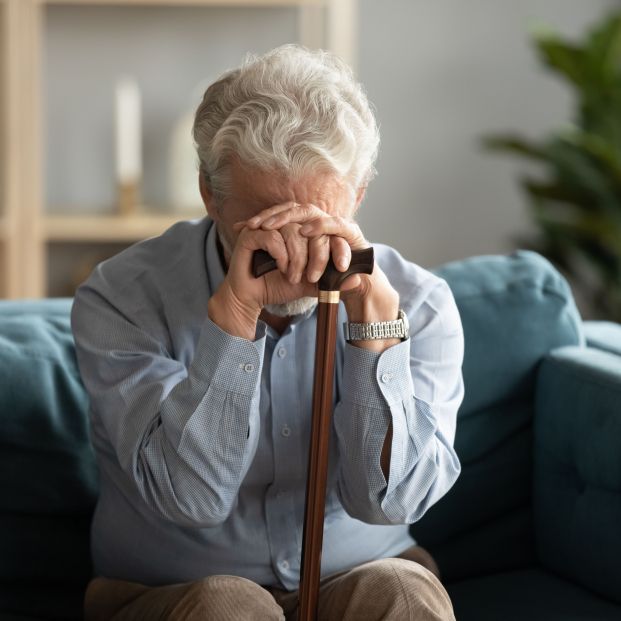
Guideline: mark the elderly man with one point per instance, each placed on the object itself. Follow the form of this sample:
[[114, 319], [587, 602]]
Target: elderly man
[[200, 375]]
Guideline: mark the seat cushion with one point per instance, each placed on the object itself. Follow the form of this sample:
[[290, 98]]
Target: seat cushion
[[528, 595]]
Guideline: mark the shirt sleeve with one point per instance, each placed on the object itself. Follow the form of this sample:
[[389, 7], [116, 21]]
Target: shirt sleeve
[[418, 385], [185, 435]]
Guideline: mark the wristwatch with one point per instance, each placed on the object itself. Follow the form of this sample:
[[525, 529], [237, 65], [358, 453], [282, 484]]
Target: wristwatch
[[398, 328]]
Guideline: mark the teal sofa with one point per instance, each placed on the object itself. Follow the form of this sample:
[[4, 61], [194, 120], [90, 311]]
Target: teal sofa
[[531, 530]]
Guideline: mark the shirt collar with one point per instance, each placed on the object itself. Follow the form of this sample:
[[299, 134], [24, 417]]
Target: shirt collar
[[215, 269]]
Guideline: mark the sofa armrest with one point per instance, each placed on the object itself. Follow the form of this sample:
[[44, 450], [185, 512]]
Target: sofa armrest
[[577, 467], [605, 335]]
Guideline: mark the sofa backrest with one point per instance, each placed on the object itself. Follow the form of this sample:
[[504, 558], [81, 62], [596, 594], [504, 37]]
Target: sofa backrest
[[514, 309], [48, 474]]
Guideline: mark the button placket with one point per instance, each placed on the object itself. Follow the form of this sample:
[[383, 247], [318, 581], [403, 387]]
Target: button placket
[[280, 507]]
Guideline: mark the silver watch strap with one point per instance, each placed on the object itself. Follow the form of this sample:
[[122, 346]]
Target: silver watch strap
[[397, 328]]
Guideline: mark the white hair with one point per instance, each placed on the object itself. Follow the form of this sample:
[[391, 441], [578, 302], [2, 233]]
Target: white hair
[[292, 111]]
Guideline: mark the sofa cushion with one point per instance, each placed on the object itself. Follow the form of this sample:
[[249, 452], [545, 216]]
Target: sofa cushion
[[47, 467], [533, 595], [514, 309]]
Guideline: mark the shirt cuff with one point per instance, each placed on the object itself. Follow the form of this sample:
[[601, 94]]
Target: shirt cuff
[[231, 361], [377, 379]]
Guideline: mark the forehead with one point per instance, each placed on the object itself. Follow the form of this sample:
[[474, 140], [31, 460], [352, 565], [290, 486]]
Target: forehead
[[255, 190]]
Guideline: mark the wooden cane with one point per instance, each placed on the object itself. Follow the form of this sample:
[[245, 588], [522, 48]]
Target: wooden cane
[[314, 512]]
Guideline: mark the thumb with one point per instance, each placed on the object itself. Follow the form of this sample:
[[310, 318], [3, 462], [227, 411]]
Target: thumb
[[351, 282]]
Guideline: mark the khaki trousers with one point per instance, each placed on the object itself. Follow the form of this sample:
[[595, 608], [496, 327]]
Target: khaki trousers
[[394, 589]]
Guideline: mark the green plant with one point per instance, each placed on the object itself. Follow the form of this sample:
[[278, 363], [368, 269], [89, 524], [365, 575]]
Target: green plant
[[577, 201]]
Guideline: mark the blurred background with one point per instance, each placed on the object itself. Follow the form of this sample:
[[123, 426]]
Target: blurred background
[[462, 91]]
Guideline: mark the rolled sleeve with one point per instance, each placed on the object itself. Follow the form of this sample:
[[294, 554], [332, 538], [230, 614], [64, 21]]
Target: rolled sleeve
[[417, 386], [185, 436]]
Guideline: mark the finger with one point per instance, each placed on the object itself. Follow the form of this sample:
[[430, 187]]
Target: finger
[[298, 214], [318, 256], [257, 220], [270, 241], [297, 248], [336, 225], [341, 252]]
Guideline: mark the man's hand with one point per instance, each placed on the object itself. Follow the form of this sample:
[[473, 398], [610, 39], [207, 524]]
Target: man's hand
[[366, 297], [237, 303]]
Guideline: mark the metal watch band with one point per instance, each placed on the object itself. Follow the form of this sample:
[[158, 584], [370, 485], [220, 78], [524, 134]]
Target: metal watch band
[[397, 328]]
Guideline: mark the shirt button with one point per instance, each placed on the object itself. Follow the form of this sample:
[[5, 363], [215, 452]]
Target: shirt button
[[285, 431], [282, 352], [386, 377], [284, 564], [249, 368]]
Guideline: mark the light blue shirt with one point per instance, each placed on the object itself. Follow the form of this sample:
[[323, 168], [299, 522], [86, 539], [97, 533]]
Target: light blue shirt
[[202, 437]]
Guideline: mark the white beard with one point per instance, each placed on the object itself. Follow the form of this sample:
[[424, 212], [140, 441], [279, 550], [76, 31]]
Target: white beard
[[295, 307]]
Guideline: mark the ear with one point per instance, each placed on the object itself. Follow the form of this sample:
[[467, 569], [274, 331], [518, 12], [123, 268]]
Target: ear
[[207, 197]]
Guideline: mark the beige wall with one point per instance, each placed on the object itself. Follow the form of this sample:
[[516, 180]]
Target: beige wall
[[441, 75]]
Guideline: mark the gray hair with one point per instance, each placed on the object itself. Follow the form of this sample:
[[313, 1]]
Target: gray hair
[[292, 111]]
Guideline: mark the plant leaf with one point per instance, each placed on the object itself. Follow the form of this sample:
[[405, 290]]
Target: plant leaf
[[514, 144]]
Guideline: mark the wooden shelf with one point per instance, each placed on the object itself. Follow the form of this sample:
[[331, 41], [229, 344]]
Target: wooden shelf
[[109, 228], [180, 3], [26, 231]]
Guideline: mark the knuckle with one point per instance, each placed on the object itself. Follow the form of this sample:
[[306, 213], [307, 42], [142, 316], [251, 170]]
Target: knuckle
[[275, 236], [324, 250], [290, 229], [311, 210]]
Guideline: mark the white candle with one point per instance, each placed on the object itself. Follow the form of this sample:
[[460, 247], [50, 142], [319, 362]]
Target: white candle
[[128, 131]]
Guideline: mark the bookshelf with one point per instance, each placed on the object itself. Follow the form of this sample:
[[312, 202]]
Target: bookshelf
[[29, 225]]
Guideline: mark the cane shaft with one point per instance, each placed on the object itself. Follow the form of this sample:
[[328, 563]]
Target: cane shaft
[[318, 457], [329, 285]]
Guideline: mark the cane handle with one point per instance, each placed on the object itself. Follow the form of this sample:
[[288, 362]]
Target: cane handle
[[332, 279]]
